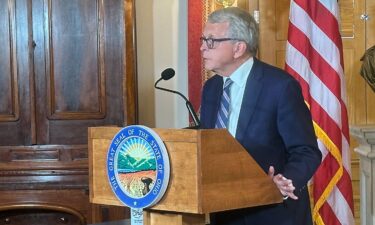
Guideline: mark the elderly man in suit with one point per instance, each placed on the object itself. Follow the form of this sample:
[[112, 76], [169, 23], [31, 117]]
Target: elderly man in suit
[[263, 108]]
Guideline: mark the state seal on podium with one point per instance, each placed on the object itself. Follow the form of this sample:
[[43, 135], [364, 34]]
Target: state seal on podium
[[138, 166]]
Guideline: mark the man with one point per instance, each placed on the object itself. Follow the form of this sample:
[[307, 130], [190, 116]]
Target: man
[[266, 114]]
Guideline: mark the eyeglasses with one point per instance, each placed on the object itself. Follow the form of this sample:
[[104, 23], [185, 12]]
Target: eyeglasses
[[210, 42]]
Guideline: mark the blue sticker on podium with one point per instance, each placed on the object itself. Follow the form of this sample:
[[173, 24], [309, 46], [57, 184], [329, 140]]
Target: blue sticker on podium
[[138, 166]]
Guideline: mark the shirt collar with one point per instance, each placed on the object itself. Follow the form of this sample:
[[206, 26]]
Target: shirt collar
[[240, 75]]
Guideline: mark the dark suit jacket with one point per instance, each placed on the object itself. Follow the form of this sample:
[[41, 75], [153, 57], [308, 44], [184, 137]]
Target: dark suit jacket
[[275, 127]]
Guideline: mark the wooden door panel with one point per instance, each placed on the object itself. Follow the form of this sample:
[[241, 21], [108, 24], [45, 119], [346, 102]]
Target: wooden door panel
[[273, 27], [282, 15], [15, 67], [9, 107], [355, 87], [80, 68], [64, 66], [353, 36], [267, 31], [347, 14], [75, 79]]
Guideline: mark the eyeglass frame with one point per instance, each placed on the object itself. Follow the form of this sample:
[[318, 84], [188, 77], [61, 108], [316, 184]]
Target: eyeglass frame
[[210, 42]]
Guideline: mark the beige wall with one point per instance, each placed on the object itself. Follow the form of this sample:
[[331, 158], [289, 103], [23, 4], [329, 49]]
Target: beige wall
[[161, 29]]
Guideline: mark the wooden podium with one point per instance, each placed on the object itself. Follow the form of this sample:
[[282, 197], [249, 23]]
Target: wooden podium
[[210, 172]]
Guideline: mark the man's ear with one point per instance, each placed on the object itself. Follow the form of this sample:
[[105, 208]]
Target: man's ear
[[239, 49]]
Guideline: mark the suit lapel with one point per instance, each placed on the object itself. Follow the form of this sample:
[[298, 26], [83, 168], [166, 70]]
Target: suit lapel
[[215, 98], [250, 98]]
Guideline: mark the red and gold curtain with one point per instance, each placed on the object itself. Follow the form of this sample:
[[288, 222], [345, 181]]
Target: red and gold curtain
[[197, 15]]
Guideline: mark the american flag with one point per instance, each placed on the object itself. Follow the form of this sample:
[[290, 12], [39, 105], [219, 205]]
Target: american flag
[[314, 57]]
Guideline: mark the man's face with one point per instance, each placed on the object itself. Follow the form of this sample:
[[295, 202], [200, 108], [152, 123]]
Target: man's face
[[220, 58]]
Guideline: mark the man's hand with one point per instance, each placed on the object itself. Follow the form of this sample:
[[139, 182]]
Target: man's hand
[[285, 185]]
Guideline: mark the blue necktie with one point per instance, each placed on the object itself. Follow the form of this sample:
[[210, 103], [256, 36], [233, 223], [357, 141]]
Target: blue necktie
[[223, 113]]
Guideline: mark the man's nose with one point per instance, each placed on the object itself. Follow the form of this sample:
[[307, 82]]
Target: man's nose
[[203, 46]]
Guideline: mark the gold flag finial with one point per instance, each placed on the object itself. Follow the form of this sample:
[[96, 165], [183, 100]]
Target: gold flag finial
[[225, 3]]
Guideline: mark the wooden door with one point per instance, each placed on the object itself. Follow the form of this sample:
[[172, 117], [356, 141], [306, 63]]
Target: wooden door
[[273, 26], [354, 43], [63, 69], [79, 68], [64, 66], [15, 71]]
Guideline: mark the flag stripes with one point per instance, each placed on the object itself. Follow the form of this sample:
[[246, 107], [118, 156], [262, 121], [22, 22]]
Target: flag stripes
[[324, 20], [318, 90], [317, 63], [320, 41], [314, 57]]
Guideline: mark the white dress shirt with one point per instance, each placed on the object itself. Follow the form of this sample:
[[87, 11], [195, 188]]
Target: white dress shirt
[[237, 89]]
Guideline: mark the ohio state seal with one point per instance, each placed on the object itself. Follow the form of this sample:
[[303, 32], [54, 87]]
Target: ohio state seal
[[138, 166]]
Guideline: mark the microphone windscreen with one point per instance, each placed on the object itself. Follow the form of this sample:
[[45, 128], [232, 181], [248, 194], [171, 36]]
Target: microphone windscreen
[[167, 74]]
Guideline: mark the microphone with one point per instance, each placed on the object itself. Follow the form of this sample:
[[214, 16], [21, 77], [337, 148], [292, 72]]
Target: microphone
[[168, 74]]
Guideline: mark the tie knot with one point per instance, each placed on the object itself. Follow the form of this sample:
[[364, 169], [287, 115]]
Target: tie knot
[[227, 83]]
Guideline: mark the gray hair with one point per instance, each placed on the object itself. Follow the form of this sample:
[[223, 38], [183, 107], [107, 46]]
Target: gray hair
[[242, 26]]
